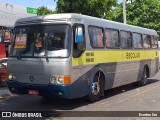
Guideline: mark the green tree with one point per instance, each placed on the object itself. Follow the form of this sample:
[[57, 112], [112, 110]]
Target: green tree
[[97, 8], [44, 11], [117, 13], [144, 13]]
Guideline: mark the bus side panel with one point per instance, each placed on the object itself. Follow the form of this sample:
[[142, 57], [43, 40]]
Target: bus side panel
[[154, 67], [124, 73], [116, 74]]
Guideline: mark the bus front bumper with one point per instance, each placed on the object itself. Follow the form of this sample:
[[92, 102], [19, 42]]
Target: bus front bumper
[[49, 90]]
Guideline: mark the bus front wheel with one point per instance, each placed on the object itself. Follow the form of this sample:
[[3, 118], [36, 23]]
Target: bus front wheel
[[96, 89]]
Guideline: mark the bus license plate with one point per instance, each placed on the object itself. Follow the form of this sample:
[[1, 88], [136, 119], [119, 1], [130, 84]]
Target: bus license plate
[[33, 92]]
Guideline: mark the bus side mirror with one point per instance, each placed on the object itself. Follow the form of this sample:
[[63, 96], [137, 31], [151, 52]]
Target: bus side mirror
[[79, 35], [79, 45]]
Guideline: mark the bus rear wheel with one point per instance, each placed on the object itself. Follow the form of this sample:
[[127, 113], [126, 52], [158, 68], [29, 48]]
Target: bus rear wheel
[[145, 76]]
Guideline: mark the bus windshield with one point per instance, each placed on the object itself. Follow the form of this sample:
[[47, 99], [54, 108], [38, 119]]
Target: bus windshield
[[41, 40]]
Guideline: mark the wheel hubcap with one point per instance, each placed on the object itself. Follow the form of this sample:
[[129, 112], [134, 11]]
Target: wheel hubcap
[[95, 88]]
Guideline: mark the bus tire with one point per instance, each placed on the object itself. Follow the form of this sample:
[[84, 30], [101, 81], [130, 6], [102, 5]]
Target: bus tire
[[145, 75], [97, 89]]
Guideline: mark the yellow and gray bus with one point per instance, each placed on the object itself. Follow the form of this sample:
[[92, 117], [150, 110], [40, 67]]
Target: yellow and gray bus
[[74, 55]]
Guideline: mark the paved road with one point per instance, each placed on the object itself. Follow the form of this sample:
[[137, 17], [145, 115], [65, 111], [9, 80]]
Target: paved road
[[125, 98]]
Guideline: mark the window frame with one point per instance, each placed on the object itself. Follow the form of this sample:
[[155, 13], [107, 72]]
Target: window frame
[[141, 40], [150, 41], [119, 44], [41, 24], [121, 40], [103, 38], [156, 40]]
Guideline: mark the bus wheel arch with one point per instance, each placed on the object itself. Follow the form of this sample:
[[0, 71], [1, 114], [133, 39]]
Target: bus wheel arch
[[97, 87]]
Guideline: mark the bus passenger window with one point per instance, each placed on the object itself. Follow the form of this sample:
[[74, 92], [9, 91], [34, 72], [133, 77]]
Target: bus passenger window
[[137, 40], [126, 39], [146, 41], [96, 36], [154, 41], [112, 39]]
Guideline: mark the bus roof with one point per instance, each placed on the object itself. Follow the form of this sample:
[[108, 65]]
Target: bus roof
[[87, 20]]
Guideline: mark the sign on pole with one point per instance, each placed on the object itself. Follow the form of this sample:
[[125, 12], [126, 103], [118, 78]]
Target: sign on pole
[[31, 10]]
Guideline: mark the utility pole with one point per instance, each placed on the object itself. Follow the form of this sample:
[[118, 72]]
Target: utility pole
[[124, 11]]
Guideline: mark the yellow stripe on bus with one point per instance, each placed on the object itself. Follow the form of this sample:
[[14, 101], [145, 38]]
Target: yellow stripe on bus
[[95, 57]]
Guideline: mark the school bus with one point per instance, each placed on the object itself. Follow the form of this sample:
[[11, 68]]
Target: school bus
[[74, 55]]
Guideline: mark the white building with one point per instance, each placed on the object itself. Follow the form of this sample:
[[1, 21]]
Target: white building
[[9, 13]]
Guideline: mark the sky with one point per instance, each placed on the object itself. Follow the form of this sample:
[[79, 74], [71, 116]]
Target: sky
[[50, 4]]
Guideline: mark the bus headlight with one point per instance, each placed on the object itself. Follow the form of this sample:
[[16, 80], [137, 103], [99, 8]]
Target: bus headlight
[[11, 77], [53, 79], [60, 80]]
